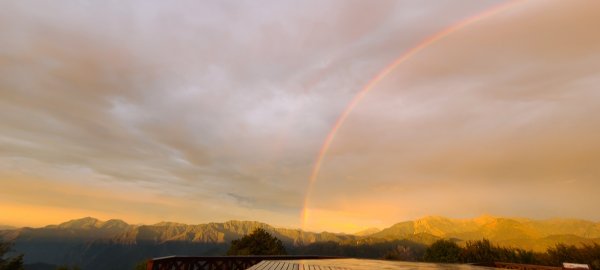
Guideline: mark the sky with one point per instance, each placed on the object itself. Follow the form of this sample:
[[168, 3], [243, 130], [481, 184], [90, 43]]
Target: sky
[[208, 111]]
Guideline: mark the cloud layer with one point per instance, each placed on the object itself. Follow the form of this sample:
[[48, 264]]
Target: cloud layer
[[497, 118], [208, 111]]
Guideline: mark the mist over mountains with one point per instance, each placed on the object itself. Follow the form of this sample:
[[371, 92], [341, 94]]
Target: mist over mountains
[[94, 244], [7, 227]]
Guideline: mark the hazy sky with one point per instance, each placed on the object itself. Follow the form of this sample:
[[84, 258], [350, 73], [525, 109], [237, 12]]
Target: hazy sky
[[199, 111]]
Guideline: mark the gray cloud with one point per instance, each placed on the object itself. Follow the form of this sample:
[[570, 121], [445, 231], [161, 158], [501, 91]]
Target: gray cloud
[[228, 102]]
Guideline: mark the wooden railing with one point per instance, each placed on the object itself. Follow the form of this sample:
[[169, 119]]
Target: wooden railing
[[218, 262]]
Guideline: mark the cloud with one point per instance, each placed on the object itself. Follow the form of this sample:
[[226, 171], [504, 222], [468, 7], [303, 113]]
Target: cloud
[[222, 106], [488, 120]]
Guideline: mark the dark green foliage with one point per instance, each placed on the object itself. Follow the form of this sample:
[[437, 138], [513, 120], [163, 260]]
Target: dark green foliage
[[105, 255], [401, 253], [68, 268], [443, 251], [259, 242], [141, 265], [563, 253], [515, 255], [14, 263], [404, 250], [479, 251], [482, 251], [588, 254]]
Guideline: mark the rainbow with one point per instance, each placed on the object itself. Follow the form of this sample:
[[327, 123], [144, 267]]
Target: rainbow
[[379, 77]]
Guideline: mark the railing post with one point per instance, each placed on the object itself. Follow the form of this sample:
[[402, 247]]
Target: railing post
[[149, 264]]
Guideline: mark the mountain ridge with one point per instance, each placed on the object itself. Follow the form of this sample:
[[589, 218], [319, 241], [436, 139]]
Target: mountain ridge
[[493, 228], [90, 242], [7, 227], [367, 232], [502, 230]]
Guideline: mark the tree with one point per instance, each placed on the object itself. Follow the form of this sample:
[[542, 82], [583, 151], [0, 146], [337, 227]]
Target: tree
[[259, 242], [68, 268], [480, 251], [588, 254], [14, 263], [443, 251], [401, 253], [141, 265]]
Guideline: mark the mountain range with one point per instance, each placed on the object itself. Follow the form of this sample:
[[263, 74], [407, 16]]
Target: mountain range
[[94, 244], [524, 233]]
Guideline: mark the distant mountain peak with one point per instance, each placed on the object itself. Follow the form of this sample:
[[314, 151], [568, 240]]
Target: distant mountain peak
[[367, 232], [115, 221], [92, 223], [244, 222], [114, 224], [82, 223], [485, 218], [168, 224], [7, 227]]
